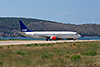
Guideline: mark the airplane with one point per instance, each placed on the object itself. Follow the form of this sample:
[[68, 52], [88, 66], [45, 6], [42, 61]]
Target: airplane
[[49, 35]]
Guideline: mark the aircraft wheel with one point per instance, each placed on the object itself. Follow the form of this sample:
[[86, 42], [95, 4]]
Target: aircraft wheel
[[47, 39], [50, 39]]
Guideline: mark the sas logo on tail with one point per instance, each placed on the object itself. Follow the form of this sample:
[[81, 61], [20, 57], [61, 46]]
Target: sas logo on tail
[[24, 29]]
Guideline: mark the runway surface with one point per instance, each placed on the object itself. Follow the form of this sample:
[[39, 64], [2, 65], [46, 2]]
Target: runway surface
[[38, 41]]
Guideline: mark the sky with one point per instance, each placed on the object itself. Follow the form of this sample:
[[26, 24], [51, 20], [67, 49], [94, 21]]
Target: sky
[[65, 11]]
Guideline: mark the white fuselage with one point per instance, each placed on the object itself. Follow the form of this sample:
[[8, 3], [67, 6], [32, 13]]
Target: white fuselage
[[58, 34]]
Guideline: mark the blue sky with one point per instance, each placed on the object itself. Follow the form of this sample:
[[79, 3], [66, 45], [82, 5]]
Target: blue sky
[[65, 11]]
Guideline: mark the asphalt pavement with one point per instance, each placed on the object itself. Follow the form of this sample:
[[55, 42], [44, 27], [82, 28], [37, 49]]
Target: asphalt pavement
[[38, 41]]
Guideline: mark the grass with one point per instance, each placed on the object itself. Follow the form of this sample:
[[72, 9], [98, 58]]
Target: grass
[[76, 58], [91, 53], [75, 54]]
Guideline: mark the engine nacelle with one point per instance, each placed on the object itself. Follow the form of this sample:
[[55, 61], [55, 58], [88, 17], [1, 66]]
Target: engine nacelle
[[53, 38]]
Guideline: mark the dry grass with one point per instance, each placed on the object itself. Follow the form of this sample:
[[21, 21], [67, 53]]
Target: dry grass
[[78, 54]]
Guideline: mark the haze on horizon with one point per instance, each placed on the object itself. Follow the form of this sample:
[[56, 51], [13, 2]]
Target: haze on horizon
[[66, 11]]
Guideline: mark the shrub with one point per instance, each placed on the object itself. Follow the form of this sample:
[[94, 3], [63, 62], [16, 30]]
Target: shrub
[[78, 46], [92, 53], [20, 53], [49, 44], [12, 45], [1, 62], [8, 46], [67, 56], [1, 47], [76, 58], [67, 52], [74, 44], [65, 42], [23, 53], [28, 44], [36, 44], [44, 56], [43, 44]]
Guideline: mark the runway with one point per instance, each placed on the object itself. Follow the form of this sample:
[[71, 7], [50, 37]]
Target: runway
[[38, 41]]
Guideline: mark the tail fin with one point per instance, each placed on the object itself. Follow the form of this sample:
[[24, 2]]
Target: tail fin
[[23, 27]]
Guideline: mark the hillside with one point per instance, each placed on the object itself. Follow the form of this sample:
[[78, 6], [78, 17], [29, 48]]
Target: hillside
[[9, 27]]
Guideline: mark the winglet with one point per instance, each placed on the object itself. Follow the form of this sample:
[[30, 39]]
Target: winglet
[[23, 27]]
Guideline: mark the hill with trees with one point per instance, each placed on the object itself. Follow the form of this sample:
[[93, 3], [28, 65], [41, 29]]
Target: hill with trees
[[9, 27]]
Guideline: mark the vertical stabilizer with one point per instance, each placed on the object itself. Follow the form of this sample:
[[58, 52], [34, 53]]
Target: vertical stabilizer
[[23, 27]]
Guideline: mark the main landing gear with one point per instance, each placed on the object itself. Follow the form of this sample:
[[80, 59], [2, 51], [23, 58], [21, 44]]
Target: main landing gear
[[48, 39]]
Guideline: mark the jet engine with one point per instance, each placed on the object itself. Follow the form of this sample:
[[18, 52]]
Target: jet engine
[[53, 38]]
